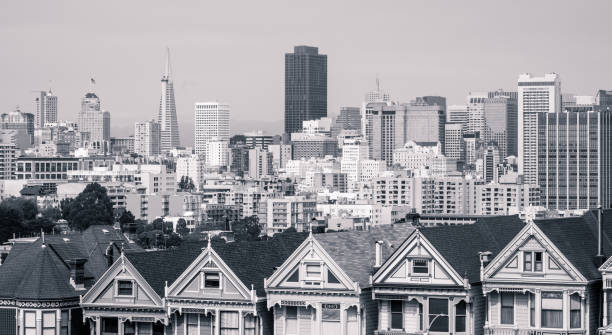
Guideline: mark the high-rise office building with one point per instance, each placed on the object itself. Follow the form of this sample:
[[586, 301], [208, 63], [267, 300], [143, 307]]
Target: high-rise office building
[[217, 152], [22, 122], [348, 119], [260, 163], [536, 95], [490, 160], [384, 129], [456, 114], [305, 87], [574, 150], [212, 120], [453, 138], [167, 111], [603, 99], [147, 138], [94, 122], [475, 113], [425, 120], [501, 123], [45, 107]]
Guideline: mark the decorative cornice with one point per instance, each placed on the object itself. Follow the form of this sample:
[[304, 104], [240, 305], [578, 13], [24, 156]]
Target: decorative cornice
[[39, 304]]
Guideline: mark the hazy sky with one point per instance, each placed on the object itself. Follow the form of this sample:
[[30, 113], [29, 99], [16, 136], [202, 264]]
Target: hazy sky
[[233, 51]]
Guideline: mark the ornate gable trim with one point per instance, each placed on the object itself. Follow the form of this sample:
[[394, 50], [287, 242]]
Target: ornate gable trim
[[310, 246], [121, 266], [531, 230], [208, 257], [398, 256]]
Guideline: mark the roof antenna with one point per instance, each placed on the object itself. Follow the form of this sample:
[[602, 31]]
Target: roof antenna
[[377, 84]]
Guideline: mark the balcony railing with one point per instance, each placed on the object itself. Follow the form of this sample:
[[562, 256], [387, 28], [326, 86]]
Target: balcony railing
[[530, 331]]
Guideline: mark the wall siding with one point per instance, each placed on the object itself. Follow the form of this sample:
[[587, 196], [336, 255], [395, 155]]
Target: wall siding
[[369, 311], [266, 317], [479, 309]]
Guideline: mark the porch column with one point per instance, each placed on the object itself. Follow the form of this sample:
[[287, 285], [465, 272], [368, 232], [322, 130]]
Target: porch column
[[605, 308], [566, 307], [20, 321], [121, 324], [451, 314], [343, 319], [468, 318], [217, 322], [241, 322], [58, 321], [318, 324], [426, 315], [98, 326], [39, 322], [538, 308]]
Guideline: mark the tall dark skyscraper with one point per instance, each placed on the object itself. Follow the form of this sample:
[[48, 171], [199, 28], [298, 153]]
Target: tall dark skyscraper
[[305, 87]]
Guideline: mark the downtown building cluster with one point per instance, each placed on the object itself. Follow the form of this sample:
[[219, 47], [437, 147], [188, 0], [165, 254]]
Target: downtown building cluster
[[431, 211]]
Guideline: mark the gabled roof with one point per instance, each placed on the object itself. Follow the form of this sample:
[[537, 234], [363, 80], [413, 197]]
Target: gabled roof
[[250, 261], [576, 238], [35, 272], [460, 244], [354, 251]]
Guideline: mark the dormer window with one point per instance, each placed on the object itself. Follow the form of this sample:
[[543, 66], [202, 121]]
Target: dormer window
[[125, 288], [420, 266], [211, 280], [313, 271], [532, 261]]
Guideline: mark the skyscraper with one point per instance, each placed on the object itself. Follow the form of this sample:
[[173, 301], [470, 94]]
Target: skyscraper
[[45, 107], [147, 136], [384, 129], [94, 122], [305, 87], [425, 120], [212, 120], [168, 122], [536, 95]]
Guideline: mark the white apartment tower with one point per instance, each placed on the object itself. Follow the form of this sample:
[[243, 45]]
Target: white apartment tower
[[212, 120], [535, 95], [168, 122], [45, 109], [94, 121], [217, 152], [147, 138]]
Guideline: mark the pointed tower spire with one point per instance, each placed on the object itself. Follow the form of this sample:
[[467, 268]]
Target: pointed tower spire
[[168, 70]]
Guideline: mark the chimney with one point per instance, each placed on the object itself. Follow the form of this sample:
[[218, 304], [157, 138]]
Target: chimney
[[378, 262], [77, 272]]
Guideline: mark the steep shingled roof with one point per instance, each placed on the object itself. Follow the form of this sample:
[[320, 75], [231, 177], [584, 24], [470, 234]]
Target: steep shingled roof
[[250, 261], [354, 251], [576, 238], [460, 244]]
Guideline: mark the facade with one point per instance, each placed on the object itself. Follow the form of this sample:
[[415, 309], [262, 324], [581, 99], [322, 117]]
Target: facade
[[147, 138], [574, 150], [281, 154], [348, 119], [8, 163], [505, 199], [453, 138], [536, 95], [23, 123], [122, 145], [313, 145], [332, 181], [289, 212], [212, 120], [260, 163], [217, 152], [305, 87], [457, 114], [258, 139], [425, 120], [94, 122], [541, 283], [424, 156], [168, 123], [384, 131], [45, 107]]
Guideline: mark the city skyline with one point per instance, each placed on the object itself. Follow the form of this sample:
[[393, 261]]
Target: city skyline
[[445, 64]]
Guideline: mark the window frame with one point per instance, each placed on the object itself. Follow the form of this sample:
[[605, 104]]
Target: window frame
[[571, 296], [501, 308], [534, 264], [413, 266], [401, 313], [542, 309], [117, 288], [203, 284], [464, 316], [44, 326], [306, 275]]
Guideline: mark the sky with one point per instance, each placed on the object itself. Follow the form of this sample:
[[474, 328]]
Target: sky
[[233, 51]]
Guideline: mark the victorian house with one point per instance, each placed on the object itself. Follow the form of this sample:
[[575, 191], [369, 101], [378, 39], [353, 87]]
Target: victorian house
[[431, 283], [323, 288], [547, 279], [212, 289], [41, 281]]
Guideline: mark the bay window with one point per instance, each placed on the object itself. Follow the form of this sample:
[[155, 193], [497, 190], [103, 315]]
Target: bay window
[[29, 323], [192, 324], [65, 321], [552, 309], [507, 308], [250, 325], [397, 314], [438, 315], [48, 323], [575, 311]]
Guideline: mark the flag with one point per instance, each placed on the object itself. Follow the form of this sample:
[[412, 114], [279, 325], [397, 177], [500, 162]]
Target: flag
[[93, 81]]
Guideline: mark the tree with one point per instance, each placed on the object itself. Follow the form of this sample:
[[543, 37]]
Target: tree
[[158, 235], [247, 229], [186, 184], [90, 207], [181, 227], [20, 216]]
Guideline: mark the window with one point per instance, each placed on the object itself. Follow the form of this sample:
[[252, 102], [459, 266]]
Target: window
[[575, 313], [124, 287], [129, 328], [313, 271], [192, 324], [146, 328], [250, 325], [460, 314], [532, 309], [48, 323], [65, 321], [532, 261], [295, 276], [230, 323], [29, 323], [438, 315], [420, 266], [507, 308], [397, 314], [291, 319], [110, 326], [330, 313], [211, 280], [331, 278], [552, 309]]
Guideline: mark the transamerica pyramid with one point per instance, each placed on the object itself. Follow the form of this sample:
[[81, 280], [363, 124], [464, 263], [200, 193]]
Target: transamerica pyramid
[[167, 111]]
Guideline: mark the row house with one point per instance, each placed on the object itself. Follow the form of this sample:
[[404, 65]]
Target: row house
[[548, 279], [324, 286], [216, 289]]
